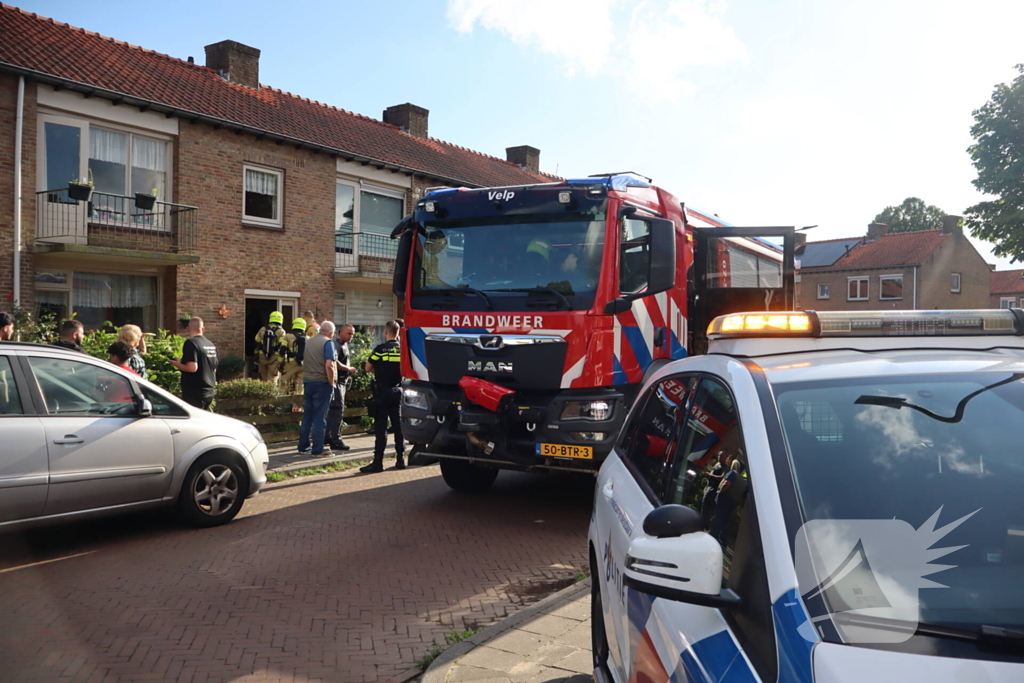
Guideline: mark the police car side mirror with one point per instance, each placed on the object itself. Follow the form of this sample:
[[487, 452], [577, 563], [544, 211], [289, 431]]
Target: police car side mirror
[[676, 560]]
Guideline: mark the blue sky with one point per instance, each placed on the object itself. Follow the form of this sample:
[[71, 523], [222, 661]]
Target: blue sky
[[794, 112]]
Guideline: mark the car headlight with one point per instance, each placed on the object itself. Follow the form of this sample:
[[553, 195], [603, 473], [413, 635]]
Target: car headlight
[[253, 432], [586, 410], [414, 399]]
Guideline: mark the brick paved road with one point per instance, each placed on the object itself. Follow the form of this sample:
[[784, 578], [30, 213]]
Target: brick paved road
[[336, 578]]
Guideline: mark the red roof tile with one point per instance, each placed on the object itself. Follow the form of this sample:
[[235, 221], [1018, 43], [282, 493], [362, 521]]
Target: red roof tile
[[890, 251], [56, 49], [1007, 281]]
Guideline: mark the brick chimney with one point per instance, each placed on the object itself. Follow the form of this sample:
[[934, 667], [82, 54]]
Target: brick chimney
[[408, 117], [877, 231], [525, 157], [236, 62], [951, 226]]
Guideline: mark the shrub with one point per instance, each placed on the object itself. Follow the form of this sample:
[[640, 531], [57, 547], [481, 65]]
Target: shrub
[[29, 328], [231, 365], [160, 349], [247, 389]]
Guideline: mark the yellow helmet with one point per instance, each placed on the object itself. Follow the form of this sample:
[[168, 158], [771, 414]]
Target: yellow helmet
[[277, 317], [299, 324]]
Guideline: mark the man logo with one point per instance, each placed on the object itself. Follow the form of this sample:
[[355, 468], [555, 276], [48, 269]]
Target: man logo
[[491, 341], [489, 366]]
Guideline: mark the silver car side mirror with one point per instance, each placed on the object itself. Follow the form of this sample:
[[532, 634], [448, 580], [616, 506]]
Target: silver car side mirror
[[145, 408]]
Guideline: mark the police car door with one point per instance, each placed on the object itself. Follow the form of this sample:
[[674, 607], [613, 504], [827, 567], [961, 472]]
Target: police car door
[[630, 486]]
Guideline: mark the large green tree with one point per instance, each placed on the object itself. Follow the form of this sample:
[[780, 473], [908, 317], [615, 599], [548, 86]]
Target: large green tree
[[912, 214], [998, 155]]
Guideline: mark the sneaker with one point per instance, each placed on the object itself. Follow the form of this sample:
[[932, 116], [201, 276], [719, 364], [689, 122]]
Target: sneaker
[[372, 468], [325, 453], [302, 452]]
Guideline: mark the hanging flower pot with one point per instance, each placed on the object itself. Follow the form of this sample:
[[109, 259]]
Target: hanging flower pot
[[79, 191], [144, 201]]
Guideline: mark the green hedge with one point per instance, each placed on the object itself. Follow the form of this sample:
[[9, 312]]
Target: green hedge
[[160, 349]]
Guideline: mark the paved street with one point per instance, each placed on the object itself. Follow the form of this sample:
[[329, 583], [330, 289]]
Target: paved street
[[340, 577]]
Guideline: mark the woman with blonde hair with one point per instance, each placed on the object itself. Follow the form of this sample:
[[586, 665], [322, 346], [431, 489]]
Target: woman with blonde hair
[[132, 335]]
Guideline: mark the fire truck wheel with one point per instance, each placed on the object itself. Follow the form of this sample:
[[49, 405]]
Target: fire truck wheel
[[463, 476]]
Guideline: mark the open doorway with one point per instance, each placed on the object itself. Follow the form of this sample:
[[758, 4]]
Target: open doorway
[[257, 314]]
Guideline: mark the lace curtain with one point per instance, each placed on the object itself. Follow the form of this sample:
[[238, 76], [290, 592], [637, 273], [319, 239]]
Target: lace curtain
[[107, 290], [108, 145], [150, 155], [259, 182]]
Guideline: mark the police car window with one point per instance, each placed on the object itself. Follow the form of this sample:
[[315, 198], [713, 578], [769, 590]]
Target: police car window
[[10, 401], [654, 429]]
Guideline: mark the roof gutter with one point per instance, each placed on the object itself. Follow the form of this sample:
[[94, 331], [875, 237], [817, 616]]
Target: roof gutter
[[196, 117], [19, 127]]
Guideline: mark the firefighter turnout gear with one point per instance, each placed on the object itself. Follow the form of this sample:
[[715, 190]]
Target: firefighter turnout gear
[[271, 348], [295, 348]]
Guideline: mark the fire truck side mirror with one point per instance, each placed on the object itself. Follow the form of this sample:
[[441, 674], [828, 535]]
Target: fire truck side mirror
[[663, 256]]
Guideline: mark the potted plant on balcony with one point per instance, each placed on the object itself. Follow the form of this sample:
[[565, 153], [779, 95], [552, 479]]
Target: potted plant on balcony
[[145, 201], [80, 190]]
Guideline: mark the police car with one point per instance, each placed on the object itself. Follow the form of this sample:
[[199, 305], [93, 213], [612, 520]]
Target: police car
[[827, 496]]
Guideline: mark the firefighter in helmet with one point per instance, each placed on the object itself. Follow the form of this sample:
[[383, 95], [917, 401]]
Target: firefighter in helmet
[[270, 348], [295, 348]]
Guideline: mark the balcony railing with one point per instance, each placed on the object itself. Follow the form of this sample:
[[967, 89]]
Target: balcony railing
[[112, 220], [366, 253]]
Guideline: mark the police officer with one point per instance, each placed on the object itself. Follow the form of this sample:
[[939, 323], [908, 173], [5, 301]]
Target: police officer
[[269, 348], [385, 364], [295, 347]]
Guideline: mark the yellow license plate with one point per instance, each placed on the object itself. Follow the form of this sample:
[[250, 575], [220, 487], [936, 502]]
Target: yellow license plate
[[558, 450]]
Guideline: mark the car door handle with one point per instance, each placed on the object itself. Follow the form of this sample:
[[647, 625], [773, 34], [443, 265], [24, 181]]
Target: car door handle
[[608, 490], [68, 440]]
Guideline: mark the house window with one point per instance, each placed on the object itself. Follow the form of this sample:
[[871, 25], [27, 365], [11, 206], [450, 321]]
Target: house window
[[824, 290], [97, 298], [954, 283], [379, 213], [890, 287], [857, 289], [1007, 302], [369, 212], [263, 190]]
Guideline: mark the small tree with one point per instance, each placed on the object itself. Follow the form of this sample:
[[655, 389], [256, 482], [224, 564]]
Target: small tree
[[913, 214], [998, 156]]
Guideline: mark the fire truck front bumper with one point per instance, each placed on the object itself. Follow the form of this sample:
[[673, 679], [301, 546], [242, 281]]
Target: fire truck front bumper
[[572, 429]]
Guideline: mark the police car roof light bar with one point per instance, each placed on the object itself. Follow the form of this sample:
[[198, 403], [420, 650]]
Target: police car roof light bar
[[821, 324]]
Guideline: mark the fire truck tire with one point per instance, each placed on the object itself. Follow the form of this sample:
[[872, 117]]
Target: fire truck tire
[[463, 476]]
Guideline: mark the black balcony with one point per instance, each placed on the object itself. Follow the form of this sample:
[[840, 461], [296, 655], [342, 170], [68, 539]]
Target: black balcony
[[367, 254], [114, 221]]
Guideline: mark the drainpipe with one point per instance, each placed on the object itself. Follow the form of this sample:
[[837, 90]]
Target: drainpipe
[[19, 124], [915, 288]]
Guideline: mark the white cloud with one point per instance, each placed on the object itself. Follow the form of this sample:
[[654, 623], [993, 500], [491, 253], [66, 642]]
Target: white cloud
[[653, 46], [578, 31], [666, 42]]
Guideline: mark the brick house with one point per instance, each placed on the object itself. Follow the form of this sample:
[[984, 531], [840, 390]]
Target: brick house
[[1007, 289], [926, 269], [264, 200]]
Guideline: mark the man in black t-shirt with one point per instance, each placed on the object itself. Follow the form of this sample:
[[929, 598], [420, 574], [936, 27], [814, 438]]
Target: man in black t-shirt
[[385, 364], [71, 333], [198, 366]]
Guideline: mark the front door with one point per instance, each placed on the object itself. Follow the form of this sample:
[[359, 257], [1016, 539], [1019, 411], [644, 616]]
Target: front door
[[739, 269], [100, 451]]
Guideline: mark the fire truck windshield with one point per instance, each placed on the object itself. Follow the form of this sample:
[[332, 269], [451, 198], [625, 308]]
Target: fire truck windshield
[[518, 264]]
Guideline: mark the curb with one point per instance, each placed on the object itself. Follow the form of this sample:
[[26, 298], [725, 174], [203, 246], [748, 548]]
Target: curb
[[438, 670], [355, 454]]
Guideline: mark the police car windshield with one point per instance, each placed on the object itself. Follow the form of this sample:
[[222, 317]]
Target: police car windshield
[[522, 263], [897, 467]]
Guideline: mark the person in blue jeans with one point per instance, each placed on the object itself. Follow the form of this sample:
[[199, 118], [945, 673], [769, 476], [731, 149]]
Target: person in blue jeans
[[318, 386]]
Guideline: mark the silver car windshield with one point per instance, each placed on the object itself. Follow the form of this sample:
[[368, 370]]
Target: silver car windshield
[[898, 468]]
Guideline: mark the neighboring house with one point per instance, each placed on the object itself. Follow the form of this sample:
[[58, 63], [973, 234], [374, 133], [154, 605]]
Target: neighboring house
[[264, 200], [926, 269], [1007, 289]]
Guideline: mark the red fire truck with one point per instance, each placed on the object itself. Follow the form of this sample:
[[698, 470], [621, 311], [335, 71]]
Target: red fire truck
[[533, 313]]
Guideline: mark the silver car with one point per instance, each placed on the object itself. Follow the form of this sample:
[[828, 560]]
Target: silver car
[[80, 437]]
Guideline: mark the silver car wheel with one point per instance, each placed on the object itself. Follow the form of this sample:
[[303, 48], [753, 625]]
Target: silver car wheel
[[216, 489]]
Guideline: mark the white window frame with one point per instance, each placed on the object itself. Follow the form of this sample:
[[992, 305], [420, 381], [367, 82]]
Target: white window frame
[[69, 286], [278, 220], [958, 279], [827, 288], [1007, 302], [881, 289], [867, 288]]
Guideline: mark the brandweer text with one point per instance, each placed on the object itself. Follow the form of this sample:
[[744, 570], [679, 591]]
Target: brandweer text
[[491, 321]]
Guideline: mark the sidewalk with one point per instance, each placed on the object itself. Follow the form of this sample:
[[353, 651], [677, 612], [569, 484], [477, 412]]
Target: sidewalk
[[548, 642], [285, 457]]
